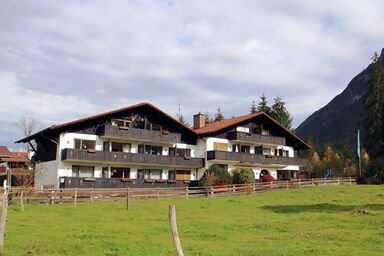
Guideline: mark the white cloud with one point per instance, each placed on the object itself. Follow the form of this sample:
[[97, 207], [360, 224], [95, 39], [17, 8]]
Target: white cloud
[[201, 54], [17, 101]]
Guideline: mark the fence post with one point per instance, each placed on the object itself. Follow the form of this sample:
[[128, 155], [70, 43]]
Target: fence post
[[75, 198], [299, 183], [91, 197], [233, 189], [175, 233], [312, 182], [254, 188], [22, 200], [338, 181], [3, 218], [211, 191], [127, 198], [350, 180], [186, 192], [157, 193], [52, 197], [271, 185]]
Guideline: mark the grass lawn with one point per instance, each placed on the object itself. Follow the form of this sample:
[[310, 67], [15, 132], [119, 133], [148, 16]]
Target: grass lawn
[[312, 221]]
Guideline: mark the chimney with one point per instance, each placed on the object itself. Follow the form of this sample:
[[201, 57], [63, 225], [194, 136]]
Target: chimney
[[198, 121]]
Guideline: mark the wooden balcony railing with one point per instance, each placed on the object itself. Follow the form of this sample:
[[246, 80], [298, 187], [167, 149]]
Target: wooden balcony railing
[[111, 131], [258, 138], [130, 158], [255, 158]]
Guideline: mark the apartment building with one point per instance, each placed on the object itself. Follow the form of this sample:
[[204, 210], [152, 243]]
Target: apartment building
[[142, 146]]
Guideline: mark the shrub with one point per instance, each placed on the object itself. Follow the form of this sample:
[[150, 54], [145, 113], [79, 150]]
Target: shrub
[[374, 173], [361, 180], [268, 178], [243, 176], [216, 176]]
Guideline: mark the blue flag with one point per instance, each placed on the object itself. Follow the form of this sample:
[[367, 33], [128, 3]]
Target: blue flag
[[358, 144]]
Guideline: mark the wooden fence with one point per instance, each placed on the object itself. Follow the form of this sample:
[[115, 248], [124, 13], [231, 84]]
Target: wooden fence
[[74, 195]]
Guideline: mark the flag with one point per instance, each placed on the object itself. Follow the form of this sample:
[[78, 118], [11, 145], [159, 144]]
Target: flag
[[358, 144]]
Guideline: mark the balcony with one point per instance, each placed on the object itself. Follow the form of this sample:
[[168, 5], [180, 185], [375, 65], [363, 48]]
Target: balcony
[[255, 158], [77, 182], [258, 138], [69, 154], [111, 131]]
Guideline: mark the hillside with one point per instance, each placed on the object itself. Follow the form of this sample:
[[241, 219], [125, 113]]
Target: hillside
[[337, 122]]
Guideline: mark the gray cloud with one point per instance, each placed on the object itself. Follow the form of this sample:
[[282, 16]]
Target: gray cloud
[[65, 60]]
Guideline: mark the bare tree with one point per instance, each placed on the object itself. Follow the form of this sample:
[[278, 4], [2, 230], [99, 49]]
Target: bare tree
[[27, 126]]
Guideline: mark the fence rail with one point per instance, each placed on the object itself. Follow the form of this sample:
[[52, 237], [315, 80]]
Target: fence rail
[[53, 196]]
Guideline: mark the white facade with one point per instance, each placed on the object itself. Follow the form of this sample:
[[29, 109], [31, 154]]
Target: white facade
[[209, 144], [49, 173]]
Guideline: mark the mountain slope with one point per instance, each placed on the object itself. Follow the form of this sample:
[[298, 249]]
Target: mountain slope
[[338, 121]]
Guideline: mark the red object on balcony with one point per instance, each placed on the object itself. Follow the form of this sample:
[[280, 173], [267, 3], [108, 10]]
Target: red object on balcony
[[268, 178]]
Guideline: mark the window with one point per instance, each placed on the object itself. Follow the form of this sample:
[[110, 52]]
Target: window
[[150, 150], [85, 144], [265, 132], [241, 148], [156, 127], [285, 153], [121, 123], [222, 166], [245, 149], [147, 174], [121, 147], [259, 150], [83, 171], [220, 146], [242, 129], [184, 152], [172, 175], [106, 146], [267, 151], [104, 172], [183, 175], [120, 172]]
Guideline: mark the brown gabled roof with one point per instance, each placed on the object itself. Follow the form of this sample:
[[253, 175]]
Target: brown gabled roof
[[4, 152], [18, 157], [63, 125], [119, 110], [217, 126], [8, 156]]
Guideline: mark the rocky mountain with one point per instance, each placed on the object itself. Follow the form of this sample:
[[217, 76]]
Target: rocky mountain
[[337, 122]]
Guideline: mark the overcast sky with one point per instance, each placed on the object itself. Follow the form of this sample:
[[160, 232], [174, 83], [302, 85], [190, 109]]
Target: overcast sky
[[68, 59]]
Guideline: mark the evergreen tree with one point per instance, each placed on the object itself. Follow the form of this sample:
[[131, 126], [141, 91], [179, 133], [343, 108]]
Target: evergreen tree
[[208, 119], [263, 105], [280, 113], [219, 116], [374, 109], [253, 108], [181, 119]]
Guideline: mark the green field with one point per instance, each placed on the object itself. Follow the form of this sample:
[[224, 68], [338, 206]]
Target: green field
[[313, 221]]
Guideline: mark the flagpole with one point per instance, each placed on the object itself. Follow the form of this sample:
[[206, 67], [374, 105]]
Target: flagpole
[[358, 150]]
